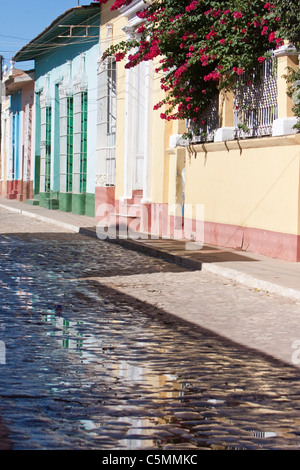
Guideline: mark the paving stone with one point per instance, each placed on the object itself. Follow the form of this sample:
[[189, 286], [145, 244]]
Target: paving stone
[[114, 367]]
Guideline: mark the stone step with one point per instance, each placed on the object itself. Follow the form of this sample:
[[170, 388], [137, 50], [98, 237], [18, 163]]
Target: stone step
[[32, 202]]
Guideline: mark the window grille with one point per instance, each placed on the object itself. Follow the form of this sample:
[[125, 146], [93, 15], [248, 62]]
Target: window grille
[[14, 146], [27, 143], [205, 128], [107, 123], [48, 149], [83, 143], [69, 176], [255, 100], [111, 122], [111, 98]]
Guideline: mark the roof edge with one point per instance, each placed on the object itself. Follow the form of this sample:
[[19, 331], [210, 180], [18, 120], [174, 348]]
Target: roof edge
[[17, 57]]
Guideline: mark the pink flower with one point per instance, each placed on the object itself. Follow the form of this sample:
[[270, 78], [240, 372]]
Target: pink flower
[[237, 70], [269, 6], [120, 56], [271, 37], [141, 29], [237, 14], [212, 76], [211, 34], [192, 6], [261, 59]]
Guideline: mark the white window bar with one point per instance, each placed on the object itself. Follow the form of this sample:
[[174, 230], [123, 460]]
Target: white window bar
[[107, 122], [255, 101], [204, 130]]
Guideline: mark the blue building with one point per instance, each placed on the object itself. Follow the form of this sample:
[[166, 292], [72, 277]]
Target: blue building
[[16, 134], [65, 56]]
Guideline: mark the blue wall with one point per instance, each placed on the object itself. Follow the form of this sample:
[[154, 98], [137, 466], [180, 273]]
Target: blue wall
[[16, 99], [54, 63]]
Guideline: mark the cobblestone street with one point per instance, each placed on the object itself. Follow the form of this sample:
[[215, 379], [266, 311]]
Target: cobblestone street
[[96, 357]]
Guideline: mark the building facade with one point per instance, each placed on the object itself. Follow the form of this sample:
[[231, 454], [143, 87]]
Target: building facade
[[247, 175], [17, 118], [132, 191], [101, 150], [65, 56], [239, 187]]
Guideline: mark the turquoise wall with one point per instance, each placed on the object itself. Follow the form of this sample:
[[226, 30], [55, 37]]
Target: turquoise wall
[[17, 144], [54, 64]]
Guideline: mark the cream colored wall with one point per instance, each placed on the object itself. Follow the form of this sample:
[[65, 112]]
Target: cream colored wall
[[251, 183], [161, 131], [285, 103], [118, 22]]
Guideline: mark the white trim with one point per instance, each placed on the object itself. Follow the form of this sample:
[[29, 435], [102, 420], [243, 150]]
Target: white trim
[[284, 126], [128, 135], [286, 49], [147, 173], [131, 10], [224, 133]]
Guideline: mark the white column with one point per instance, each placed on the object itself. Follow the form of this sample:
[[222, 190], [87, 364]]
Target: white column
[[129, 97], [147, 173]]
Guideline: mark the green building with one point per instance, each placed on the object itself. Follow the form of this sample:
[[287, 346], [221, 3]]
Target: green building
[[65, 56]]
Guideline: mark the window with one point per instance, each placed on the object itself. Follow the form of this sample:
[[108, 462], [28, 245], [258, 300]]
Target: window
[[255, 101], [48, 149], [70, 111], [111, 100], [111, 118], [107, 117], [83, 141], [14, 145]]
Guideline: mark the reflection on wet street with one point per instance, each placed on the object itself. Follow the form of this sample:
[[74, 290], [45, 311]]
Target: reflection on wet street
[[90, 368]]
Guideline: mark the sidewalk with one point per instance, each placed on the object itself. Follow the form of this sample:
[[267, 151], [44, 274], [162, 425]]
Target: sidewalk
[[253, 271]]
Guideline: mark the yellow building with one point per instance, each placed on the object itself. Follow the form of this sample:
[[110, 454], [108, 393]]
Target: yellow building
[[132, 162], [237, 188], [248, 182]]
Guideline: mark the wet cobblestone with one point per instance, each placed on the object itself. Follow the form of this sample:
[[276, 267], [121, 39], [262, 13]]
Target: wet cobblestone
[[89, 367]]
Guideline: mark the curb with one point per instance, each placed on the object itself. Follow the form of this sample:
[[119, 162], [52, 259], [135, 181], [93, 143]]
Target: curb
[[234, 275], [42, 218], [253, 283], [245, 279]]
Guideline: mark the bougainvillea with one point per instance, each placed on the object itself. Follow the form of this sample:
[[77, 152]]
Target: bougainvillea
[[199, 47], [289, 13]]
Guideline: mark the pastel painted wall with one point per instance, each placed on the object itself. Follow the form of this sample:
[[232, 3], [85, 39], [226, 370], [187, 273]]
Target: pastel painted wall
[[247, 185], [249, 189], [55, 65], [157, 158], [16, 135]]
